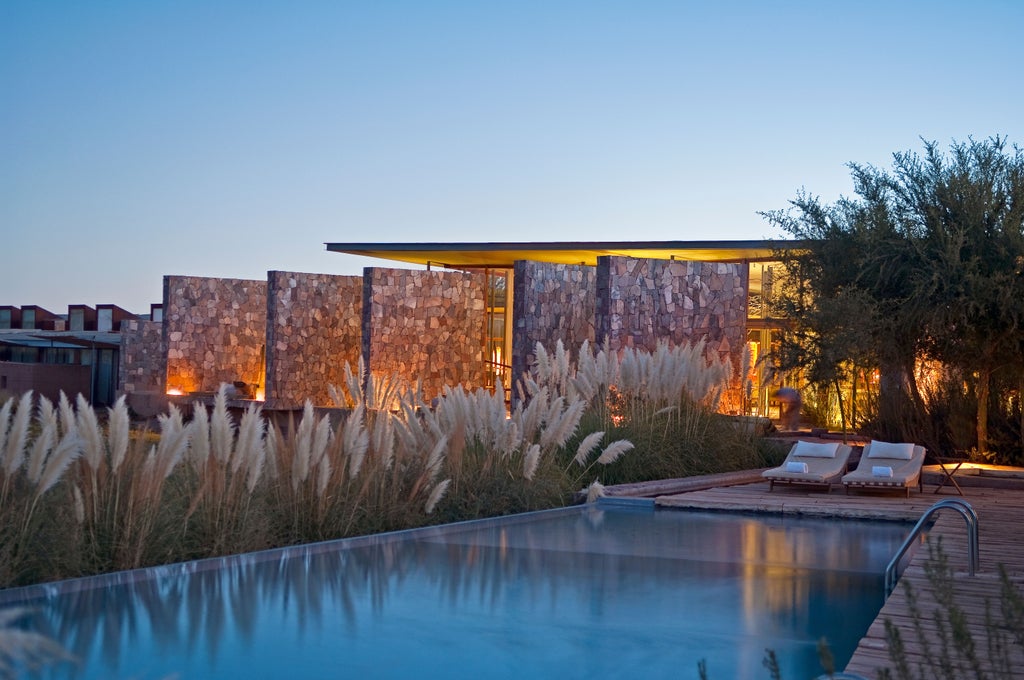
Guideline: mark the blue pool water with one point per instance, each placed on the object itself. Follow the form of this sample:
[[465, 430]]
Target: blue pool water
[[596, 592]]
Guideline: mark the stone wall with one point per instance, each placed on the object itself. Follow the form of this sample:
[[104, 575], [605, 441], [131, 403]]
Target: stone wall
[[143, 357], [424, 325], [314, 325], [214, 330], [643, 301], [550, 302]]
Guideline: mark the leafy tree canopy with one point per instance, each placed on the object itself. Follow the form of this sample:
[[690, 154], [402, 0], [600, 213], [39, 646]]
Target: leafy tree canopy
[[926, 260]]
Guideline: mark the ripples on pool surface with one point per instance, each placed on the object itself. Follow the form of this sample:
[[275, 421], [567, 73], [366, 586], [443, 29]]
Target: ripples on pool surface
[[595, 592]]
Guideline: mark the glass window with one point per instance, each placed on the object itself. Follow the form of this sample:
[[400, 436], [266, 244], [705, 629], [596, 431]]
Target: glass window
[[28, 318], [76, 319], [105, 319]]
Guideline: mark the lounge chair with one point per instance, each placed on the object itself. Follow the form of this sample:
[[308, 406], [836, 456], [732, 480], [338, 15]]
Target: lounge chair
[[885, 465], [817, 464]]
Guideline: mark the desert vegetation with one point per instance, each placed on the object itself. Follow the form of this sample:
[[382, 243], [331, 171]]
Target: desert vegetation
[[906, 300], [86, 493]]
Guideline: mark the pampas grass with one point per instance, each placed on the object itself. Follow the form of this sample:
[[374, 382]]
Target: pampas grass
[[95, 495], [227, 461], [30, 469], [662, 405]]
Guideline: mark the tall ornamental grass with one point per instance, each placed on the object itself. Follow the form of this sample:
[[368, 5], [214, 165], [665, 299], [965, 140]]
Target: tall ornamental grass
[[81, 492], [664, 403]]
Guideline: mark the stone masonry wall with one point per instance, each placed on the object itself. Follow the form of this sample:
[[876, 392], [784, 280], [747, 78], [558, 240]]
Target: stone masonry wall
[[550, 302], [143, 357], [214, 331], [642, 301], [424, 325], [314, 325]]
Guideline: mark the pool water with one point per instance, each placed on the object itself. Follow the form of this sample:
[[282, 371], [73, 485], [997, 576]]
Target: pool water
[[596, 592]]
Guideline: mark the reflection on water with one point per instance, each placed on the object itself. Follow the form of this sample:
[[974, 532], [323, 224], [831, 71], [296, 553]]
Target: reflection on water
[[605, 593]]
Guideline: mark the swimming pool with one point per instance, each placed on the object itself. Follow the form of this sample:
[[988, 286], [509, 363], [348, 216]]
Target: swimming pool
[[598, 592]]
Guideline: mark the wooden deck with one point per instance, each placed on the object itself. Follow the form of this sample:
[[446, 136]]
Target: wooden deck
[[1001, 521]]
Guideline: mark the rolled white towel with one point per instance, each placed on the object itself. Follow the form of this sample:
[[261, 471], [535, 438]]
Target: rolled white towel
[[881, 471], [796, 466]]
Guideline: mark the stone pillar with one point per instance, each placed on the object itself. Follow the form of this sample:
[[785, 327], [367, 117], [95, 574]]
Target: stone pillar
[[314, 326], [643, 301], [143, 367], [426, 326], [214, 330], [550, 302]]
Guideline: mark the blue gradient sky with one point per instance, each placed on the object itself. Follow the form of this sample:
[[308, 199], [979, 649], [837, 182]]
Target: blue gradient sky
[[139, 139]]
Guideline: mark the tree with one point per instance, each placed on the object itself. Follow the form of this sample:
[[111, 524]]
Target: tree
[[845, 294], [966, 216], [926, 261]]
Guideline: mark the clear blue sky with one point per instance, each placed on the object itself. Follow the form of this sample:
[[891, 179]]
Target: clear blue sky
[[139, 139]]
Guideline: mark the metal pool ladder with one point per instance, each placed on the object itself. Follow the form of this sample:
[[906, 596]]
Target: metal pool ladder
[[966, 511]]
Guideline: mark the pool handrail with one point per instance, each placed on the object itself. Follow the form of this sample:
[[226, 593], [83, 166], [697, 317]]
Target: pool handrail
[[970, 517]]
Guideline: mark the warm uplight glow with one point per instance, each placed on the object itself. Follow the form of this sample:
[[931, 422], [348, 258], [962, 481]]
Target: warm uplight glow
[[929, 375], [174, 392], [261, 394]]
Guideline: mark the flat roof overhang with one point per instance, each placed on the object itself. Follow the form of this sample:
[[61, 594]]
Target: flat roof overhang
[[61, 339], [504, 254]]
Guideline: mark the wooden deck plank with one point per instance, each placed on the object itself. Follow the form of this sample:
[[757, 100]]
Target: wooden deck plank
[[1000, 515]]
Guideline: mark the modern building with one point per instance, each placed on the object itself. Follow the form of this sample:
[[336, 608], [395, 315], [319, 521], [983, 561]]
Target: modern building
[[77, 353], [468, 313]]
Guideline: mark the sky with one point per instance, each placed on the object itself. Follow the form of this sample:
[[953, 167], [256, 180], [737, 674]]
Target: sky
[[226, 139]]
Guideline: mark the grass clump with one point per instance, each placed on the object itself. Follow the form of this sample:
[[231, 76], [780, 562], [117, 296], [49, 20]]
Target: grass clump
[[82, 493], [664, 403]]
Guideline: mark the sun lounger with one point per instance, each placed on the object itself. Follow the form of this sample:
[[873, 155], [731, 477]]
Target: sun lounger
[[818, 464], [885, 465]]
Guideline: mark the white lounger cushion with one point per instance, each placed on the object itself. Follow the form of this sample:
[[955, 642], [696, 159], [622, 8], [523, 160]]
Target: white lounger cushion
[[813, 469], [815, 449], [881, 471], [877, 449], [905, 473]]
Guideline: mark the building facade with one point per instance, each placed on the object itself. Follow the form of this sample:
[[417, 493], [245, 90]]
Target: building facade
[[472, 314]]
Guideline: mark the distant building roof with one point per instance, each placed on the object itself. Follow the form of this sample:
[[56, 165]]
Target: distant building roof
[[504, 254], [61, 339]]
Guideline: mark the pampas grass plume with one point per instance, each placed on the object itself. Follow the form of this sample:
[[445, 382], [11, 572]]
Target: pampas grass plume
[[356, 440], [249, 445], [436, 494], [94, 448], [321, 439], [530, 461], [63, 455], [17, 436], [118, 425], [303, 446], [568, 423], [199, 450], [222, 427], [614, 451], [595, 491], [323, 477], [5, 420], [587, 447], [436, 456], [47, 424]]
